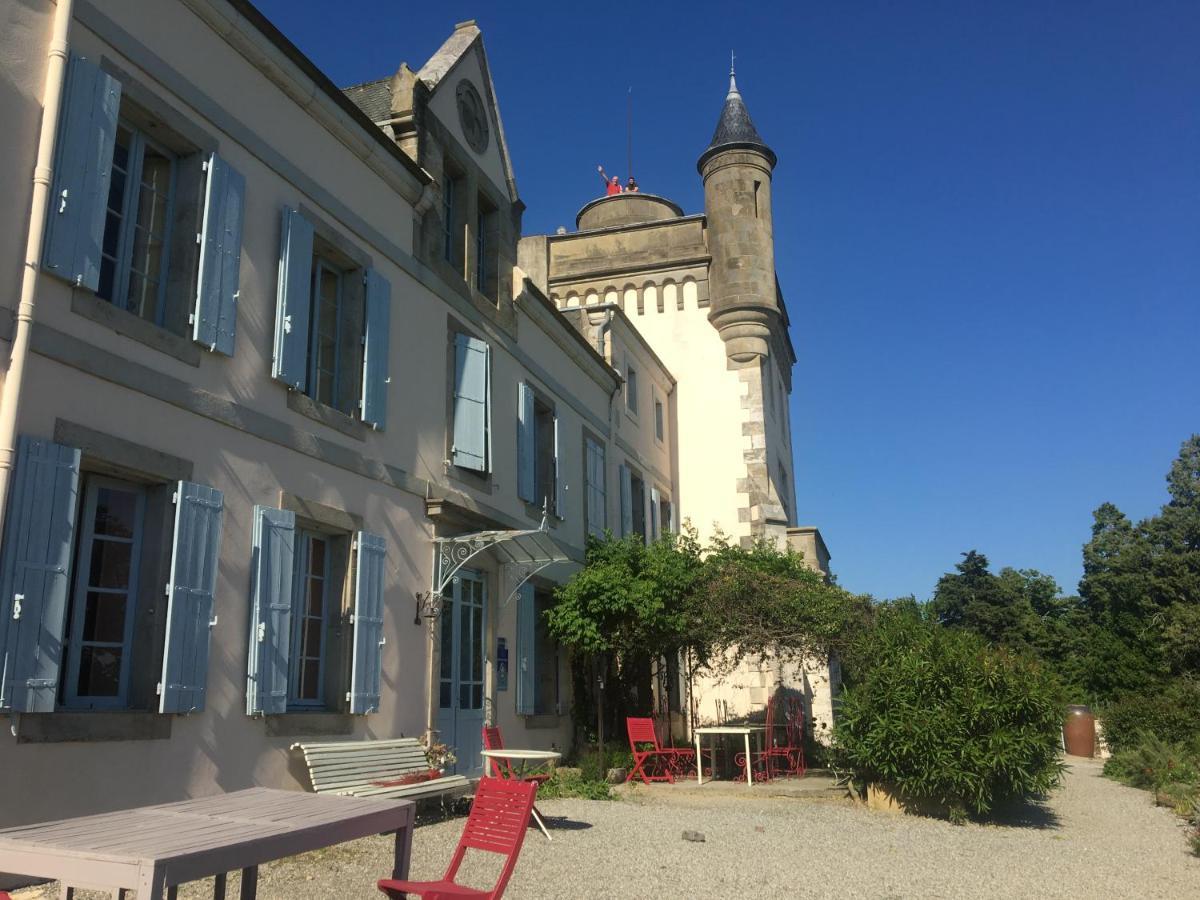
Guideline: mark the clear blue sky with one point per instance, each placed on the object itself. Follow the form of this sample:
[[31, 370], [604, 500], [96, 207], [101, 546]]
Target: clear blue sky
[[987, 226]]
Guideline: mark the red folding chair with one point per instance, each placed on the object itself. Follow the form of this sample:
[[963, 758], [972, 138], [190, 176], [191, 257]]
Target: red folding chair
[[497, 823], [502, 768], [651, 761]]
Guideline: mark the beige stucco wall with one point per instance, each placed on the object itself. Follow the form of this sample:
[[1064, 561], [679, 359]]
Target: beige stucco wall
[[236, 426]]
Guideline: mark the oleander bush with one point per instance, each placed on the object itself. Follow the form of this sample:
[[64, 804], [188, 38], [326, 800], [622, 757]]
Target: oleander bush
[[944, 721], [1170, 713]]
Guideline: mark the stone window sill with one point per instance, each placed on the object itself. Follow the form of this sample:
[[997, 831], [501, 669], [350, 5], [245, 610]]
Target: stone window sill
[[92, 727], [327, 415], [135, 328], [542, 722], [309, 724]]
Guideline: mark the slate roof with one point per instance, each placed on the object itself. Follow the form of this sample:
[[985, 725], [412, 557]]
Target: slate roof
[[735, 129], [374, 98]]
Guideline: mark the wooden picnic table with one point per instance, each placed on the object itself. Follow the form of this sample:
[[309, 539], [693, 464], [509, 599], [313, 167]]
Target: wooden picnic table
[[152, 849]]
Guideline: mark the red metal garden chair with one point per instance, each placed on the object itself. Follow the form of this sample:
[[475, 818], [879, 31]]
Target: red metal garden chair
[[502, 768], [497, 823], [683, 759], [651, 761]]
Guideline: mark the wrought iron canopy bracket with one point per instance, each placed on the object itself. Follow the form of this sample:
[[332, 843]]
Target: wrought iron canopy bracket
[[521, 555]]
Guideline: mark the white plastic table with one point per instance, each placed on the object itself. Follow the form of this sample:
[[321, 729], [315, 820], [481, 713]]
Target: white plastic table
[[744, 730], [524, 758]]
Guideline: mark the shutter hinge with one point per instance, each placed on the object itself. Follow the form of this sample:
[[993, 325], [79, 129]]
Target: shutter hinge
[[191, 318], [348, 695], [205, 163], [287, 324], [174, 497], [262, 631], [158, 689], [167, 589], [213, 623], [62, 203], [17, 598], [199, 237]]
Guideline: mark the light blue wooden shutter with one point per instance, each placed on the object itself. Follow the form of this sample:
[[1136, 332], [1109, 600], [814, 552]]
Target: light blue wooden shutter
[[39, 534], [375, 355], [655, 522], [597, 495], [214, 323], [274, 538], [367, 666], [526, 444], [290, 364], [626, 501], [559, 487], [190, 598], [471, 402], [83, 160], [526, 651]]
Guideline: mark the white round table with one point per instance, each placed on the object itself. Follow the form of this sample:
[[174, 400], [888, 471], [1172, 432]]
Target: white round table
[[525, 758]]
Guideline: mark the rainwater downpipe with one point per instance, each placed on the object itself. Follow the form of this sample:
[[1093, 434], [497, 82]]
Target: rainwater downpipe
[[43, 171]]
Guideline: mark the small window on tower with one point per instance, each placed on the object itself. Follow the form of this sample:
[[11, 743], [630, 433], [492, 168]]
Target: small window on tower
[[757, 185]]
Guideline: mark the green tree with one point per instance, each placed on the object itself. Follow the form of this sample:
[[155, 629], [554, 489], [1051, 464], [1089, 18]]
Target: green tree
[[999, 608]]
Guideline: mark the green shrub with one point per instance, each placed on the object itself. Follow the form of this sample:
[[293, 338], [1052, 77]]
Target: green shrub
[[1171, 714], [1155, 764], [940, 719], [571, 783], [594, 769]]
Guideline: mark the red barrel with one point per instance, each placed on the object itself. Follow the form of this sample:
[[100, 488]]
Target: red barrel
[[1079, 732]]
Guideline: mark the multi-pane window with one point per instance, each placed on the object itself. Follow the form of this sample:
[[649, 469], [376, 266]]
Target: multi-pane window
[[104, 597], [137, 227], [545, 457], [631, 388], [481, 251], [637, 495], [596, 498], [546, 669], [324, 369], [310, 613], [659, 424]]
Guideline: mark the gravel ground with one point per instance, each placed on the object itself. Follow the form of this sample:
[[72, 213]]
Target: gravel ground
[[1094, 838]]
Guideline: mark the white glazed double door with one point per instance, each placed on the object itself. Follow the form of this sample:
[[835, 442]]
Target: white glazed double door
[[462, 641]]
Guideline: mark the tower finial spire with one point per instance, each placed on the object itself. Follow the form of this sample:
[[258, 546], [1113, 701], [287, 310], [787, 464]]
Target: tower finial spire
[[732, 80]]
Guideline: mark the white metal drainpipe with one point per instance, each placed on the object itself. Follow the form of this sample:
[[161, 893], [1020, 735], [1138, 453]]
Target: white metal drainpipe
[[43, 171]]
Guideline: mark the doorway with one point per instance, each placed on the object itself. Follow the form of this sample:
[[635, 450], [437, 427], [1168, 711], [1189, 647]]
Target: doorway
[[462, 637]]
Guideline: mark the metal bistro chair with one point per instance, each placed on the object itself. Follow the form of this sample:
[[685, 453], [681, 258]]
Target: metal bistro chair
[[651, 761], [497, 823]]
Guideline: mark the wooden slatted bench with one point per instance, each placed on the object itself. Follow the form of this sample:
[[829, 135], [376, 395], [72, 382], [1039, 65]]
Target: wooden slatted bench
[[357, 768]]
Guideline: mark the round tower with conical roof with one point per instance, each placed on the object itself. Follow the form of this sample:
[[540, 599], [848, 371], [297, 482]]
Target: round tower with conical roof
[[736, 169]]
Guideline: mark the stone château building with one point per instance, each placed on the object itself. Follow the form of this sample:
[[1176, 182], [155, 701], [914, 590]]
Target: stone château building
[[299, 432]]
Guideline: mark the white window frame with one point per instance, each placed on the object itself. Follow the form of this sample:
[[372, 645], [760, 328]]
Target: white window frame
[[122, 261], [81, 589], [322, 264], [631, 389], [300, 580], [660, 417]]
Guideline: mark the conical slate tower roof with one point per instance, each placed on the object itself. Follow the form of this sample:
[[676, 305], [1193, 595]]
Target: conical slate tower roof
[[735, 129]]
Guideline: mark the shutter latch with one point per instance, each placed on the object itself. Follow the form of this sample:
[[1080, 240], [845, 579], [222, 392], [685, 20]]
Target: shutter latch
[[17, 598], [287, 324], [62, 203], [213, 623], [262, 631]]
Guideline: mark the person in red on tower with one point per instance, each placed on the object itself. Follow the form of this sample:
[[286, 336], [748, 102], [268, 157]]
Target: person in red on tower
[[611, 185]]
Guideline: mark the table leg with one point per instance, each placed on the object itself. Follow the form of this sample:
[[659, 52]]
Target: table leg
[[249, 883], [219, 887], [749, 767], [151, 881], [537, 817], [403, 853], [699, 763], [66, 892], [173, 892]]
